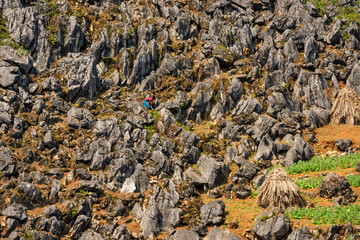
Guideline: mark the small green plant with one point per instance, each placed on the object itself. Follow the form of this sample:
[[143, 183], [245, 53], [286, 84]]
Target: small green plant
[[317, 164], [309, 183], [84, 192]]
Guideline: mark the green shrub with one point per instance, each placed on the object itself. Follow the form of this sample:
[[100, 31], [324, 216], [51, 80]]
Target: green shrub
[[317, 164], [327, 215]]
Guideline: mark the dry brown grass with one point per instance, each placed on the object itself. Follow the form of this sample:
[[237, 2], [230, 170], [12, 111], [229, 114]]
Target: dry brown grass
[[279, 190], [346, 108]]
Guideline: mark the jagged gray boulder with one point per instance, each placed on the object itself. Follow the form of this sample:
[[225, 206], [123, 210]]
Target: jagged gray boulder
[[31, 192], [80, 225], [301, 233], [247, 106], [183, 234], [13, 4], [334, 36], [223, 234], [79, 118], [310, 50], [353, 79], [273, 227], [161, 213], [266, 149], [300, 150], [90, 235], [7, 165], [247, 169], [261, 127], [212, 171], [137, 182], [74, 38], [213, 213], [290, 50], [52, 211], [51, 84], [335, 185], [83, 78], [21, 24], [16, 211], [343, 145], [9, 75], [16, 58], [144, 63]]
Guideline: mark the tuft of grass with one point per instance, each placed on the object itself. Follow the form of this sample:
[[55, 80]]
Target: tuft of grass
[[309, 183], [327, 215], [317, 164]]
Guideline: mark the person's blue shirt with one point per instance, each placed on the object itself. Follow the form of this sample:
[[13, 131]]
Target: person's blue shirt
[[146, 104]]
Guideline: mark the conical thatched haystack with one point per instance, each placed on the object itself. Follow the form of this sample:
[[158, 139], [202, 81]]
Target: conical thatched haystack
[[279, 190], [346, 107]]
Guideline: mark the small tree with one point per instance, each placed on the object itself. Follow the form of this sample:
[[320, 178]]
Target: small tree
[[279, 190]]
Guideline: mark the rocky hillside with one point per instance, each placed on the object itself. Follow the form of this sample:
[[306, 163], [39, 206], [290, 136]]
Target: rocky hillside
[[240, 86]]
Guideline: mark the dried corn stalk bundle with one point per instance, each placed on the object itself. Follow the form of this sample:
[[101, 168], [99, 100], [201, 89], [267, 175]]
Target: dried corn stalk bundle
[[279, 190], [346, 108]]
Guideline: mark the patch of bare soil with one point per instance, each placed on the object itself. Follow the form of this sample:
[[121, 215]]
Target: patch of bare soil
[[327, 135]]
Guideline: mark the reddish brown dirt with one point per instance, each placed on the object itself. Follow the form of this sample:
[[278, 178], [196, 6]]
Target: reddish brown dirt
[[328, 134], [36, 211], [131, 224], [241, 211]]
